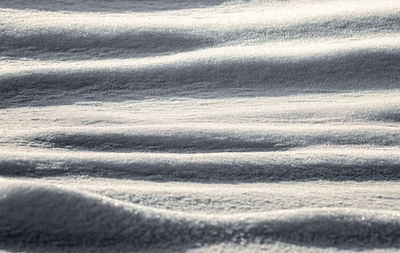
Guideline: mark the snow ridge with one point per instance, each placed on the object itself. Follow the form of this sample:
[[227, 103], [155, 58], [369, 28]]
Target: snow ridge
[[62, 217]]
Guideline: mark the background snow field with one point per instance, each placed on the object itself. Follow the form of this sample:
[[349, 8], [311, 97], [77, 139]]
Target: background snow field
[[199, 126]]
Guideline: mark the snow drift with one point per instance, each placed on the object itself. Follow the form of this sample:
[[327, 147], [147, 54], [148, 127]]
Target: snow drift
[[317, 163], [198, 78], [266, 49], [64, 218], [119, 110], [222, 138]]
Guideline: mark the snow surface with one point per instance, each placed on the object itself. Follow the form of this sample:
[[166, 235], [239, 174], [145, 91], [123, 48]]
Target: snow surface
[[199, 126]]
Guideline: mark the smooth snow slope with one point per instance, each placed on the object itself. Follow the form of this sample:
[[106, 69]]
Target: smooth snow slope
[[59, 217], [199, 126]]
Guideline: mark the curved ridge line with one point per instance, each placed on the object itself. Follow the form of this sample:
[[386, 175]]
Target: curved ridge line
[[148, 227], [223, 17], [282, 51]]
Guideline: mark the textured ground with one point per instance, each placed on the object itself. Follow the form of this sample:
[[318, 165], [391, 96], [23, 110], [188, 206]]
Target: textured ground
[[199, 126]]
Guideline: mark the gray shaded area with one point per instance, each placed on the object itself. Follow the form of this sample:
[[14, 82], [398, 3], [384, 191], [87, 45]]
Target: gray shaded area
[[215, 167], [108, 6]]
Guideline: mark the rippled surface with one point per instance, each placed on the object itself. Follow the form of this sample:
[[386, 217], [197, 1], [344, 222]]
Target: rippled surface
[[199, 126]]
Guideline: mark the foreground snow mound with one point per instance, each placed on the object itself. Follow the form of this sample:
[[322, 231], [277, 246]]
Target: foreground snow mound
[[59, 218]]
